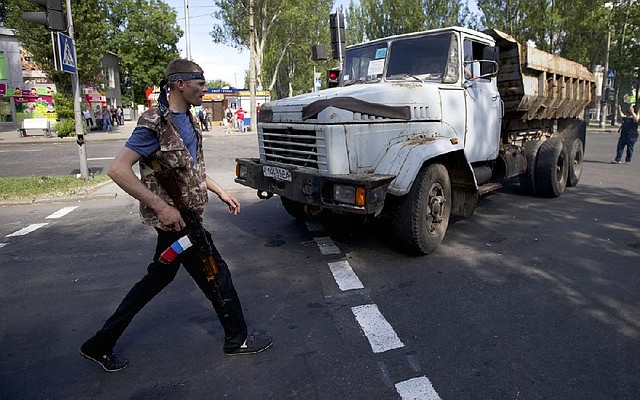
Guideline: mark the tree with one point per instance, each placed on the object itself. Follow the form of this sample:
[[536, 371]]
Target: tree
[[144, 34], [90, 27], [218, 83], [575, 29], [280, 28], [375, 19]]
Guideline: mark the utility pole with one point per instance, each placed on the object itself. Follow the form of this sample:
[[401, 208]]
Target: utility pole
[[605, 81], [187, 29], [252, 71], [75, 86]]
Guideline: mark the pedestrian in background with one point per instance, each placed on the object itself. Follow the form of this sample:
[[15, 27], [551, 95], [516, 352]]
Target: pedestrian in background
[[106, 119], [87, 117], [628, 134], [240, 117], [167, 140]]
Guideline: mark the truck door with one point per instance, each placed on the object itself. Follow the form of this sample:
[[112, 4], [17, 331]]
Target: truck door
[[484, 110]]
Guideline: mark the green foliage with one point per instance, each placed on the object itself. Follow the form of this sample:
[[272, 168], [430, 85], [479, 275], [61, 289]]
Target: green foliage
[[90, 27], [64, 106], [575, 29], [144, 34], [217, 83], [65, 127], [374, 19], [42, 186]]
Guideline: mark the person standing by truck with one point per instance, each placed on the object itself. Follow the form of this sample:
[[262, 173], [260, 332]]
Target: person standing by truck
[[628, 134]]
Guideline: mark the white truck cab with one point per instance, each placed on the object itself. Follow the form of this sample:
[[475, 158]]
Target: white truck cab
[[416, 128]]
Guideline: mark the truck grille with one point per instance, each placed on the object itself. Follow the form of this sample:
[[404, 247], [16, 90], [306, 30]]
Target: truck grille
[[293, 147]]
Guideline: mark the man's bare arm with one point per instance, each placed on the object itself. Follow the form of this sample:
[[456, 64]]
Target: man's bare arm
[[121, 172], [229, 200]]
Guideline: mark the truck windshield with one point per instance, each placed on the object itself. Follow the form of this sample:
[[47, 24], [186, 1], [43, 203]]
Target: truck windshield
[[416, 58]]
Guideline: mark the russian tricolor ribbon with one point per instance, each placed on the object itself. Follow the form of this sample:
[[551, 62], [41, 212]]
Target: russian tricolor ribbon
[[173, 251]]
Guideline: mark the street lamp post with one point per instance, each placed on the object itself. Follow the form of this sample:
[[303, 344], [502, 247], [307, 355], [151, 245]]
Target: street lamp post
[[605, 81]]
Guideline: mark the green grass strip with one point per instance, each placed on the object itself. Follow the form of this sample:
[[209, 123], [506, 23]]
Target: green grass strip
[[43, 186]]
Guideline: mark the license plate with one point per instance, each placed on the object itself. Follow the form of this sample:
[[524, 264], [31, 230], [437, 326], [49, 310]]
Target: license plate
[[276, 172]]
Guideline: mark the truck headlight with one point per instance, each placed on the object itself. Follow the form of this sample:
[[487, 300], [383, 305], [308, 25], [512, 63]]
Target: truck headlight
[[349, 194]]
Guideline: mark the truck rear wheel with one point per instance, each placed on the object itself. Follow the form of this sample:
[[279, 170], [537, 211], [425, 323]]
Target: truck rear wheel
[[576, 158], [420, 219], [552, 168]]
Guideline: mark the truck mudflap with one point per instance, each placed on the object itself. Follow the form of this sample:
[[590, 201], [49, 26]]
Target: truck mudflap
[[353, 193]]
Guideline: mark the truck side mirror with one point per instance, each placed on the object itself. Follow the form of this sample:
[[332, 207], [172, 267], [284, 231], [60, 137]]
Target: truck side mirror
[[490, 61]]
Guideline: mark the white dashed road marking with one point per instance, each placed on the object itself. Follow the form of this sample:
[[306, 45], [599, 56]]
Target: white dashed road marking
[[419, 388], [27, 230], [344, 276], [61, 212], [326, 246], [381, 335], [376, 328]]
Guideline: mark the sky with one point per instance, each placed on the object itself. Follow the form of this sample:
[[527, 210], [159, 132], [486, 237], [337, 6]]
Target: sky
[[218, 61]]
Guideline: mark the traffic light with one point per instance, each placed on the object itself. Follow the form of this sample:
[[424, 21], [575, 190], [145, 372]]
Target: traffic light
[[333, 77], [338, 39], [52, 17]]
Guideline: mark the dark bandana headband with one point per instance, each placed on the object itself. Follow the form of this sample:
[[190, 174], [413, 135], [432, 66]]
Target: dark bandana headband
[[163, 102]]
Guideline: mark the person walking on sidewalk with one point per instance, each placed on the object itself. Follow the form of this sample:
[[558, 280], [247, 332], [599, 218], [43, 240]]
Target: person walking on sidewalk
[[628, 134], [168, 136]]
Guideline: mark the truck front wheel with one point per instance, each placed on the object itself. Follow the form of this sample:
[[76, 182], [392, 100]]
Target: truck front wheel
[[420, 219]]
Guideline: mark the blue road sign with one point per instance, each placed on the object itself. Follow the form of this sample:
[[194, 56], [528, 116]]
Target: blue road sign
[[67, 53]]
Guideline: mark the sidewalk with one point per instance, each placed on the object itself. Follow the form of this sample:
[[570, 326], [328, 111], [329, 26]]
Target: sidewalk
[[10, 135]]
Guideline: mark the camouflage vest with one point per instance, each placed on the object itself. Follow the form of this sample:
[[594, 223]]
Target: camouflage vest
[[173, 154]]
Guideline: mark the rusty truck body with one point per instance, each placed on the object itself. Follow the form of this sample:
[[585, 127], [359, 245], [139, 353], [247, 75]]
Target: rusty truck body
[[420, 126]]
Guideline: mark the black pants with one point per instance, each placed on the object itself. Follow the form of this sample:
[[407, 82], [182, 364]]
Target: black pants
[[158, 276]]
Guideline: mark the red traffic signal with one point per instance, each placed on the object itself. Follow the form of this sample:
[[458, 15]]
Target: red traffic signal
[[333, 77]]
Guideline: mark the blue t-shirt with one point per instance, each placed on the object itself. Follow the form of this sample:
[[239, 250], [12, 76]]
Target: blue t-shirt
[[145, 142]]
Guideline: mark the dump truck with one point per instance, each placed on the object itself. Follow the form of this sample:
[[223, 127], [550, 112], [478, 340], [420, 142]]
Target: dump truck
[[420, 126]]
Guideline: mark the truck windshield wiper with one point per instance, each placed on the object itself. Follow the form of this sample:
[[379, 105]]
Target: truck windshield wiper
[[404, 77]]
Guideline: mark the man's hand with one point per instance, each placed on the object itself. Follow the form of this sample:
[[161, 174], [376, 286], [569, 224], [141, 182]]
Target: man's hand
[[229, 200], [232, 202], [170, 217]]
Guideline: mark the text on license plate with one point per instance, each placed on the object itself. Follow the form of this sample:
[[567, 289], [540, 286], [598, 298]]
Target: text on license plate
[[276, 172]]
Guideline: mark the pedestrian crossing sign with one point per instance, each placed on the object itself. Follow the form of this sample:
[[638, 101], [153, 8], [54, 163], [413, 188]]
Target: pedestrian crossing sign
[[67, 53]]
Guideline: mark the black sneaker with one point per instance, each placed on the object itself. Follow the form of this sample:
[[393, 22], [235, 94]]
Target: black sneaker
[[110, 362], [253, 345]]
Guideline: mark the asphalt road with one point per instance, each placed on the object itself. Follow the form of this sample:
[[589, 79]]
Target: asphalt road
[[529, 299]]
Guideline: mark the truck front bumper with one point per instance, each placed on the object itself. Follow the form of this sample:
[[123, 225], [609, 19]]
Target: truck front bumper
[[353, 193]]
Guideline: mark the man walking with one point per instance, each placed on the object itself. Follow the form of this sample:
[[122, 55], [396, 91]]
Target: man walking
[[167, 140]]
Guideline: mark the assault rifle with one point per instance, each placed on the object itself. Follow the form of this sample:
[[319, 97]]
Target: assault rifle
[[195, 233]]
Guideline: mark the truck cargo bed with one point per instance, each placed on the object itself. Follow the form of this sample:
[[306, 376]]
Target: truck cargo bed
[[537, 85]]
